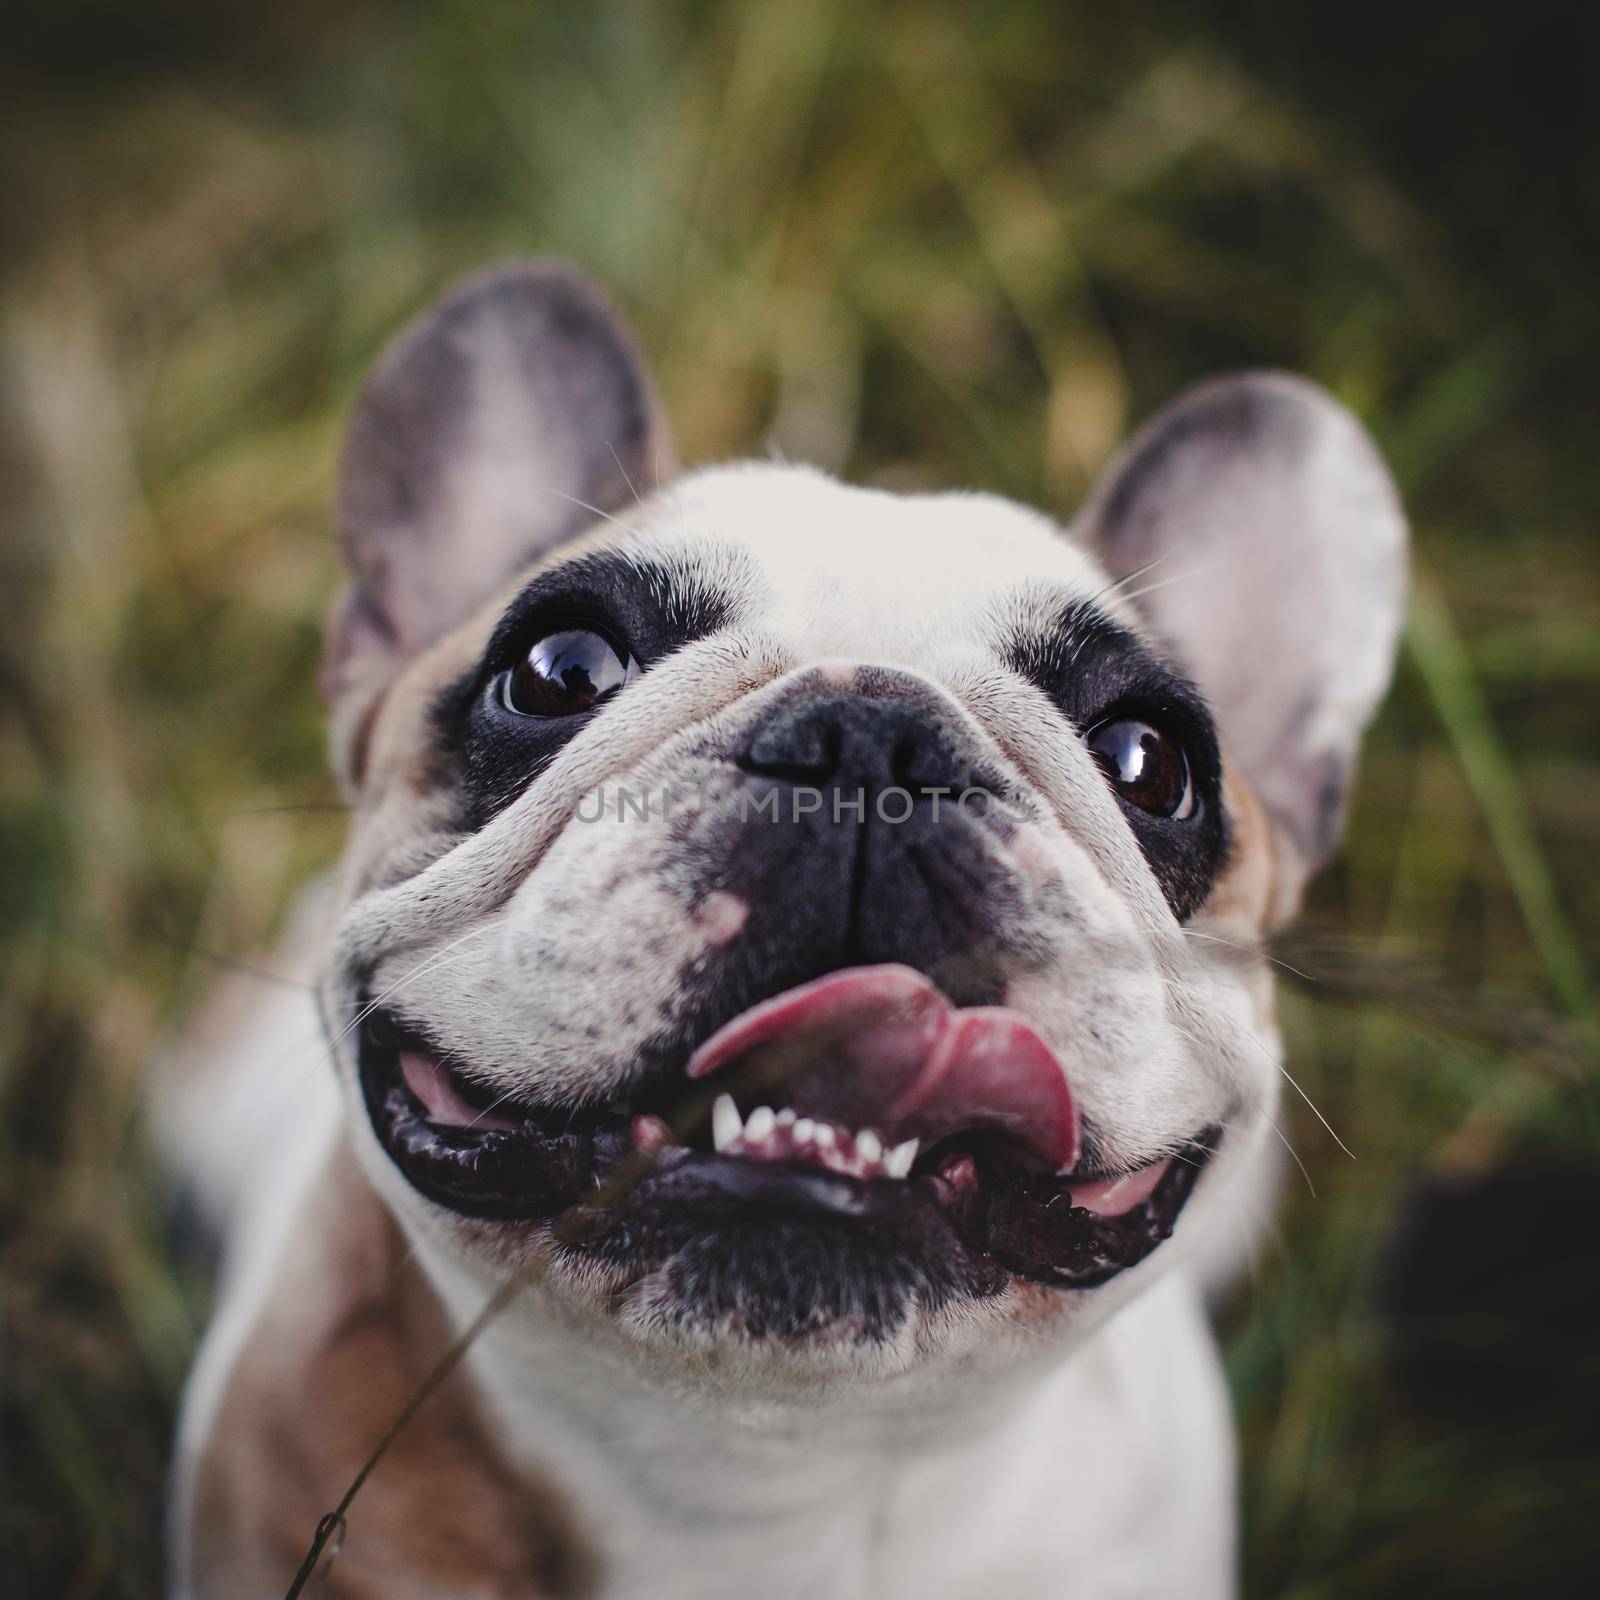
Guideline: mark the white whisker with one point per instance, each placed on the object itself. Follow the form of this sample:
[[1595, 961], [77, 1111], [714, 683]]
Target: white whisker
[[1294, 1084], [572, 499], [492, 1107], [1246, 949], [1129, 577], [428, 964], [624, 471], [1291, 1149], [1165, 583], [1289, 1077]]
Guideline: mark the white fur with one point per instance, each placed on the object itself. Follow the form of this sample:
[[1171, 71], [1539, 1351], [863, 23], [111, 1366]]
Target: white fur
[[1086, 1452]]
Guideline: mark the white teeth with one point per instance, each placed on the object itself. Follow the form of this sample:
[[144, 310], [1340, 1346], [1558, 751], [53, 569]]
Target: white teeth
[[732, 1132], [726, 1123], [898, 1161]]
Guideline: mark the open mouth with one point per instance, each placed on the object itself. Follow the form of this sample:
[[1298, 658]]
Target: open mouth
[[857, 1128]]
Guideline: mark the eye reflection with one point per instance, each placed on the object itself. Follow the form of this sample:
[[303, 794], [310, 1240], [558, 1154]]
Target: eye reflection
[[1146, 766], [566, 674]]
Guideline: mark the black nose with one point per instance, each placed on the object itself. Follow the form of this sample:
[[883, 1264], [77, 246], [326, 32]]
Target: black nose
[[847, 743], [857, 838]]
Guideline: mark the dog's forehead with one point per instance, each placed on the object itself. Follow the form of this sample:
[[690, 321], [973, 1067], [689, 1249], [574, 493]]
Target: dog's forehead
[[837, 569]]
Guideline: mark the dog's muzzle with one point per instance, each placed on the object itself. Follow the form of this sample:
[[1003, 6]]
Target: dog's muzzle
[[864, 1105], [850, 1121]]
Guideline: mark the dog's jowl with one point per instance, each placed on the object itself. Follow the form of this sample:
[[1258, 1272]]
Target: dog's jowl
[[806, 940]]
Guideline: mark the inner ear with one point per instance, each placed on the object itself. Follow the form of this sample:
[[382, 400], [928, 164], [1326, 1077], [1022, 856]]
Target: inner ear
[[1256, 530], [507, 417]]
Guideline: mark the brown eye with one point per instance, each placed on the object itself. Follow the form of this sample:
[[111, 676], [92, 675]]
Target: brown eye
[[1146, 767], [566, 673]]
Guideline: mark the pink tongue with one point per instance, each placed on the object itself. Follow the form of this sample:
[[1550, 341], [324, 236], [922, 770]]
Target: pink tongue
[[881, 1048]]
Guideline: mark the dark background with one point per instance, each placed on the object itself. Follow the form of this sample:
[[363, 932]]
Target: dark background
[[924, 245]]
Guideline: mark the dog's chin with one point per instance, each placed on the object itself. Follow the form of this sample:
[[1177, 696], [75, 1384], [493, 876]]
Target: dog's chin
[[748, 1213]]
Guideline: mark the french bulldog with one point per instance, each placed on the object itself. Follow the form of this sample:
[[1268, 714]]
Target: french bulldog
[[802, 948]]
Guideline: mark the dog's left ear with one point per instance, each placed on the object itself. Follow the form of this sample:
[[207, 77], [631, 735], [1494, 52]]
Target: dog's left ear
[[507, 417], [1263, 540]]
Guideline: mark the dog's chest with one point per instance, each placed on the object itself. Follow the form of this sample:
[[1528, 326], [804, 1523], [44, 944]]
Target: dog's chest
[[1113, 1476]]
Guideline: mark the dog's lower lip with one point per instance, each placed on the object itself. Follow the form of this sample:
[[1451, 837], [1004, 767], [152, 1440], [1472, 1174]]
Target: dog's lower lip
[[594, 1171]]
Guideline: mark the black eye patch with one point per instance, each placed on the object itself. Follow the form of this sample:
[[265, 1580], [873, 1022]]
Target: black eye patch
[[647, 607], [1095, 670]]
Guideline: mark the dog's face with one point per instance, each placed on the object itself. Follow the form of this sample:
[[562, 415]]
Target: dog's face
[[809, 925]]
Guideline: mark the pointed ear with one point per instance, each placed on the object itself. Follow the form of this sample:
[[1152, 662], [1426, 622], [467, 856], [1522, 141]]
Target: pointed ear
[[498, 424], [1270, 553]]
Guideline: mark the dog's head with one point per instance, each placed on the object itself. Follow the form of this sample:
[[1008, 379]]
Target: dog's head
[[810, 923]]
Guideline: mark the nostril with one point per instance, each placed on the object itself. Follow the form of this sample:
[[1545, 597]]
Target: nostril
[[923, 762], [853, 742], [795, 748]]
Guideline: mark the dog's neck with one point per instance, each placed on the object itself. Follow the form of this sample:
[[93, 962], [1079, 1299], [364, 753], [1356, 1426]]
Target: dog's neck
[[938, 1492]]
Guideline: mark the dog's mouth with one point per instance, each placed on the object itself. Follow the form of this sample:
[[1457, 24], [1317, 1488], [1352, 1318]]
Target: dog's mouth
[[859, 1126]]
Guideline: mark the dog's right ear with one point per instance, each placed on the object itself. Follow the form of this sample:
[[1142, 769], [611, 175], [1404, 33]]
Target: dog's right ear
[[504, 419]]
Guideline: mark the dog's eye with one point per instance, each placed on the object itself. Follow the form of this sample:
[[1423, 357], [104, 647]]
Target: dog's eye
[[566, 673], [1146, 766]]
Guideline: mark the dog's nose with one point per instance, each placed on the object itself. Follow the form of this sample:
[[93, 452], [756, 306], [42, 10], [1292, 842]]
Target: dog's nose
[[849, 743], [883, 856]]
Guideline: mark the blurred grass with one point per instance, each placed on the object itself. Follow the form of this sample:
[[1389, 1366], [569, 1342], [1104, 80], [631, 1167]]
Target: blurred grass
[[917, 244]]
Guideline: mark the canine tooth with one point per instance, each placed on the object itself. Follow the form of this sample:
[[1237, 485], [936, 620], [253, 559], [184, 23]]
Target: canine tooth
[[898, 1161], [869, 1146], [760, 1123], [804, 1129], [726, 1123]]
